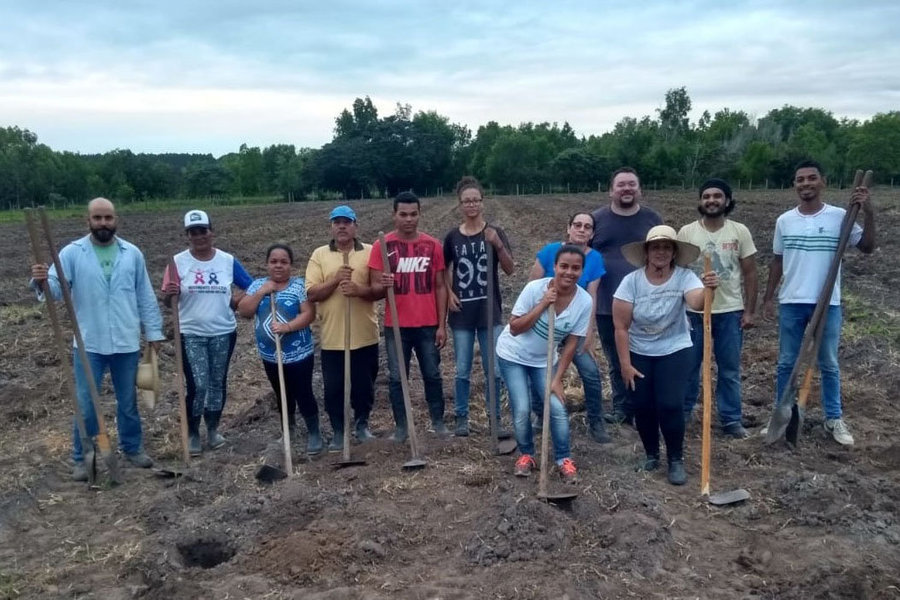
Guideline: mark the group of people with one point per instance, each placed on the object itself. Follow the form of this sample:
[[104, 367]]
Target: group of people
[[619, 275]]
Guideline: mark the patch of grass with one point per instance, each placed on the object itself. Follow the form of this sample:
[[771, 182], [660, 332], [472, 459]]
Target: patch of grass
[[16, 314], [10, 586], [863, 319]]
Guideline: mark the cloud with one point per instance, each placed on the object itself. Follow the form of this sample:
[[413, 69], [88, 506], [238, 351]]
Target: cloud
[[207, 76]]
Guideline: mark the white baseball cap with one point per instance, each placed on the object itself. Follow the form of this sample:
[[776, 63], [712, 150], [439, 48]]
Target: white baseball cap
[[196, 218]]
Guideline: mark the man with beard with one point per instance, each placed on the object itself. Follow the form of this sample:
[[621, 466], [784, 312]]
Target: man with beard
[[733, 256], [113, 298], [332, 283], [622, 222], [806, 238]]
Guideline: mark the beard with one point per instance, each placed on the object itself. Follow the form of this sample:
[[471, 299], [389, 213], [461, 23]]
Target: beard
[[712, 212], [103, 234]]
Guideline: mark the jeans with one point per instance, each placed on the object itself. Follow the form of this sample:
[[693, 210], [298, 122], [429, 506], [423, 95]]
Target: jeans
[[658, 399], [464, 351], [420, 339], [589, 373], [727, 338], [522, 382], [206, 359], [363, 371], [297, 386], [792, 321], [123, 372], [621, 401]]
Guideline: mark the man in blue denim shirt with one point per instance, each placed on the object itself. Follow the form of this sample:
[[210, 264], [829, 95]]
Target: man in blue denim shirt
[[113, 297]]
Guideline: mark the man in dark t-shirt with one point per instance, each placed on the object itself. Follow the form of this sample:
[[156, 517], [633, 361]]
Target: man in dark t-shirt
[[620, 223], [465, 251]]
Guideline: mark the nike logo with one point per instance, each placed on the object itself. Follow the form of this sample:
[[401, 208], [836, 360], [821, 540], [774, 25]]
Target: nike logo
[[413, 264]]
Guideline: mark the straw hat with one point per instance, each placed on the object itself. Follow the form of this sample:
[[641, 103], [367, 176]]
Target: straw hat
[[148, 377], [636, 252]]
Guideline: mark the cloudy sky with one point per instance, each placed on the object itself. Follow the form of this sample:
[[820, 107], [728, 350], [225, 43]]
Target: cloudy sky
[[206, 76]]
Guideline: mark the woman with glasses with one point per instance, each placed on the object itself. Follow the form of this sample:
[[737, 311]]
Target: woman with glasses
[[579, 234], [202, 280]]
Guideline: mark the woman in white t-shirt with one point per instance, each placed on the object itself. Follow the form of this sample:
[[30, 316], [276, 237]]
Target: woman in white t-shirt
[[203, 280], [522, 354], [653, 339]]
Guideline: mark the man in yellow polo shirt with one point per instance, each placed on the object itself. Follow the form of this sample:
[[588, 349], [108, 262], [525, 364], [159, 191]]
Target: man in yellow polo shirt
[[330, 283]]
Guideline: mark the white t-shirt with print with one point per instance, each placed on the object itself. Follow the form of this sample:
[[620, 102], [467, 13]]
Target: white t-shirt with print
[[807, 244], [529, 348], [659, 324], [726, 247]]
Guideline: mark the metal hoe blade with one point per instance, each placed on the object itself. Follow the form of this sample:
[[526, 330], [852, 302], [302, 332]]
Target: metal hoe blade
[[732, 497]]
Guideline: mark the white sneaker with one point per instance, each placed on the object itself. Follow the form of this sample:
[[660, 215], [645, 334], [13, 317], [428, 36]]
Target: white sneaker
[[765, 430], [839, 431]]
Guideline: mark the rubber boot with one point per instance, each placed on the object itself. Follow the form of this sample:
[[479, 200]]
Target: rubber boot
[[400, 431], [462, 427], [598, 432], [195, 448], [677, 475], [214, 439], [314, 436], [337, 441]]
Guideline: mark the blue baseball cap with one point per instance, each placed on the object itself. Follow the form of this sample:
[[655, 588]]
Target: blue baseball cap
[[343, 211]]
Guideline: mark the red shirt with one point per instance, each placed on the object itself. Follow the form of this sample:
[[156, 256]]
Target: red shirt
[[416, 265]]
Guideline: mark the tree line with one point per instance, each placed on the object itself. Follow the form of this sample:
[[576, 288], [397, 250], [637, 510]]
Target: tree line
[[372, 155]]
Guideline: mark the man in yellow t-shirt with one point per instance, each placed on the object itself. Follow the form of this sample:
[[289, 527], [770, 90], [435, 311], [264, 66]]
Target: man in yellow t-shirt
[[733, 255], [331, 284]]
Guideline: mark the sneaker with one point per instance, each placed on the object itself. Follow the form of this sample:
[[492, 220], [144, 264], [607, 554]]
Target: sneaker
[[524, 465], [598, 432], [651, 463], [462, 427], [567, 470], [140, 460], [839, 431], [439, 428], [736, 430], [79, 472], [214, 439], [677, 475], [194, 447], [363, 434]]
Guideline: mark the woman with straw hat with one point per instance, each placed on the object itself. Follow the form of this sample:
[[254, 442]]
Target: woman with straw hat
[[202, 279], [653, 339]]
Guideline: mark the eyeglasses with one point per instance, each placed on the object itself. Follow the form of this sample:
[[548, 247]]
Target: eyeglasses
[[470, 202], [577, 225], [195, 231]]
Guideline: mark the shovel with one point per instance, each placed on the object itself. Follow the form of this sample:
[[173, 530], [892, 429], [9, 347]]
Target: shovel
[[723, 497], [346, 461], [179, 368], [559, 499], [268, 473], [787, 413], [415, 461], [87, 444], [106, 450], [507, 445]]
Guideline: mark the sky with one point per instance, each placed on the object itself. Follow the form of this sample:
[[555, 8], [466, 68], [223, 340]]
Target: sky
[[207, 76]]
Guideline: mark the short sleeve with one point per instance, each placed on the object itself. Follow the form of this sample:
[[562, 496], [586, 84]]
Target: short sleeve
[[448, 246], [748, 248], [167, 278], [855, 234], [439, 264], [689, 280], [255, 285], [375, 256], [626, 291], [314, 274], [240, 276], [526, 300], [597, 268], [584, 319], [778, 239], [545, 258], [300, 287]]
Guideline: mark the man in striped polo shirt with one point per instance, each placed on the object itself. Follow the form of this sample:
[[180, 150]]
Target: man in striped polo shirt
[[806, 238]]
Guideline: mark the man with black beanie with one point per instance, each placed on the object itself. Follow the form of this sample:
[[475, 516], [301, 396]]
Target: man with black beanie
[[733, 255]]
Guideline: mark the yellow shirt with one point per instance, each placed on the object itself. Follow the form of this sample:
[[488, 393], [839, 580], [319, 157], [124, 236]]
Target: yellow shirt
[[726, 247], [323, 264]]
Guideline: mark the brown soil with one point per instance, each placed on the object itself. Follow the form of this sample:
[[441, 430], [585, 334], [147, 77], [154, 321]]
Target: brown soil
[[822, 521]]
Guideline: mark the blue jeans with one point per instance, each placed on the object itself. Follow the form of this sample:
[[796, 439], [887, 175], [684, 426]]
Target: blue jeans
[[792, 321], [728, 338], [590, 379], [420, 339], [621, 401], [522, 382], [123, 371], [464, 353]]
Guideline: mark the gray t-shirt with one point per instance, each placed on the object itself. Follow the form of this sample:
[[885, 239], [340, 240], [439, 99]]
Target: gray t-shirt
[[611, 232], [659, 324]]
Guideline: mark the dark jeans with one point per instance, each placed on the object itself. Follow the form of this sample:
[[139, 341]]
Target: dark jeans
[[363, 371], [420, 339], [621, 401], [206, 360], [727, 338], [297, 385], [658, 399]]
